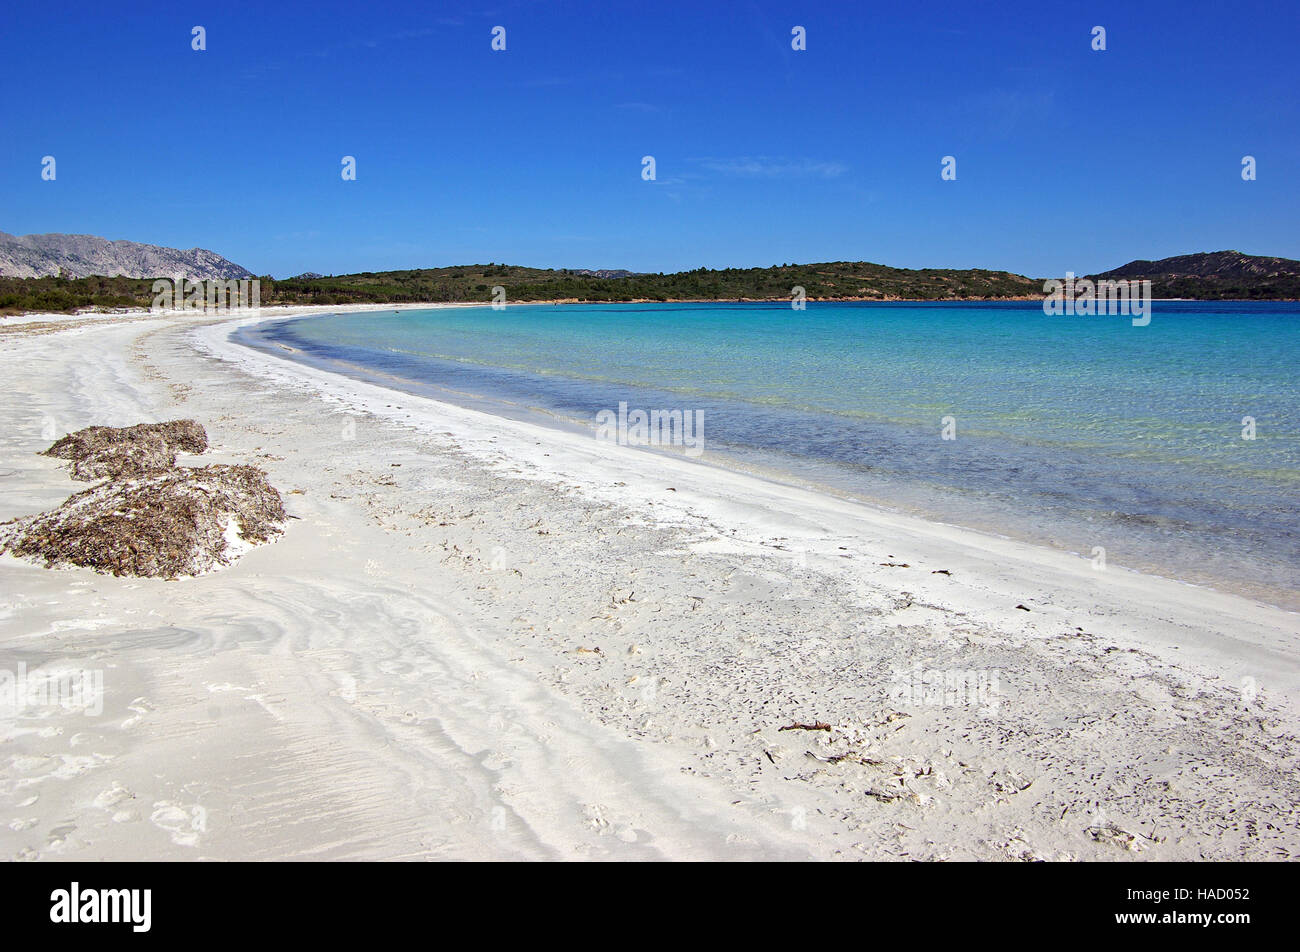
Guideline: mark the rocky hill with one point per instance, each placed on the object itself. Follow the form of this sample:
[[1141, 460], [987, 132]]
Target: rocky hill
[[1215, 275], [78, 256]]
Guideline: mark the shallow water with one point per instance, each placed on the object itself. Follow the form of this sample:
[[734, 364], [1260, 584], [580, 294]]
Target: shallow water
[[1074, 431]]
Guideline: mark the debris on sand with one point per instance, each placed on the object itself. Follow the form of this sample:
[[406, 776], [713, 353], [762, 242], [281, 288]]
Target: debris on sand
[[1114, 835], [815, 726], [107, 452], [164, 524]]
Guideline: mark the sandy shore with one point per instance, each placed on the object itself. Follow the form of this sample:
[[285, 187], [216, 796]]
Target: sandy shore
[[479, 638]]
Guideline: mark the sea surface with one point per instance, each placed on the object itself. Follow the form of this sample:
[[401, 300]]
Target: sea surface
[[1073, 431]]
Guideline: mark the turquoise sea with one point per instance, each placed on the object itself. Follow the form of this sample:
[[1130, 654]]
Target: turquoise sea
[[1076, 431]]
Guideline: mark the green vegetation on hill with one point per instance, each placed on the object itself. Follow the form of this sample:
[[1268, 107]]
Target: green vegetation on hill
[[53, 294], [839, 279], [474, 283], [1221, 275]]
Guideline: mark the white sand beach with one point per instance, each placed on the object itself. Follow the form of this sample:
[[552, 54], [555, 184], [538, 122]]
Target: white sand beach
[[479, 638]]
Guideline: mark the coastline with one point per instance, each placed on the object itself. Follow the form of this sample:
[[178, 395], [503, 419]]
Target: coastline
[[1166, 540], [413, 669], [292, 310]]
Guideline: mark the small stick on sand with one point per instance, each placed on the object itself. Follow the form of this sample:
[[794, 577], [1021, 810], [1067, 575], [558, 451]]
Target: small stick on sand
[[816, 726]]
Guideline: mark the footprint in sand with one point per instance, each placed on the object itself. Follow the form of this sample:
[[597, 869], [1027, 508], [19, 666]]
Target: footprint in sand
[[184, 822], [140, 707], [113, 796], [60, 835], [27, 763]]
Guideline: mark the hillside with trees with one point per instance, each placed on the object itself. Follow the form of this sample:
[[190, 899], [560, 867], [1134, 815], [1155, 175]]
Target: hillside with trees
[[838, 280], [1211, 276]]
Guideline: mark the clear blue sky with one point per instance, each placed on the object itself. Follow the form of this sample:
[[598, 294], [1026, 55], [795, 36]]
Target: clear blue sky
[[1067, 159]]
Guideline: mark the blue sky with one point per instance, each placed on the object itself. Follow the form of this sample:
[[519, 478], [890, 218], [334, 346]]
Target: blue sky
[[1067, 159]]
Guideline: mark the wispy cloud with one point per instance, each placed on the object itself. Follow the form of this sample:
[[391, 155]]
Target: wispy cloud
[[1002, 111], [763, 166]]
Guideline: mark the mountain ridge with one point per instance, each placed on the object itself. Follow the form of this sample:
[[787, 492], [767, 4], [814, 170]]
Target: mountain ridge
[[81, 256], [1214, 275]]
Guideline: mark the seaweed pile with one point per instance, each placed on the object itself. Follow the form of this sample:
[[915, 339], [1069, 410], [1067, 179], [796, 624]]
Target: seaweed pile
[[106, 452], [149, 517]]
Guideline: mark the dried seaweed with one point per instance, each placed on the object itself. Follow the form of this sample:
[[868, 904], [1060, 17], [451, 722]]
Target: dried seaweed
[[106, 452], [178, 521]]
